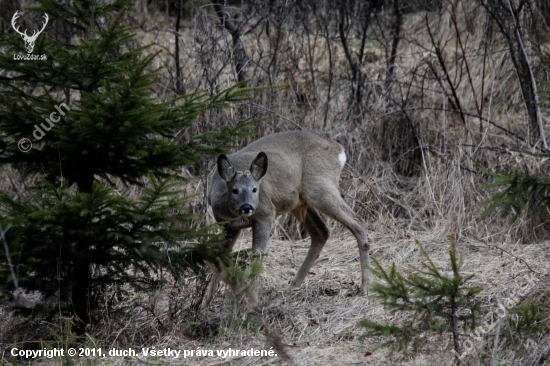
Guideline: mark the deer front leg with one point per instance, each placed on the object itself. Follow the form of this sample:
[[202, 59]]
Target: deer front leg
[[261, 230], [232, 235]]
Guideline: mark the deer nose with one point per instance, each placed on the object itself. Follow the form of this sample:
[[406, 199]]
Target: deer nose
[[246, 209]]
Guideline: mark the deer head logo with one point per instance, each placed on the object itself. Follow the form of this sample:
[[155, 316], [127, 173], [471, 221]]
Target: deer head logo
[[29, 40]]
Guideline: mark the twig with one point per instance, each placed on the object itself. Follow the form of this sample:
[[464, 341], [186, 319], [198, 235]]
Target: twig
[[494, 356], [466, 63], [461, 112], [10, 264], [507, 252], [456, 103], [278, 115]]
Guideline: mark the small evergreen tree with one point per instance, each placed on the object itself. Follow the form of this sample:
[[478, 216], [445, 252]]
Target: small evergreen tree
[[72, 233], [428, 300], [519, 191]]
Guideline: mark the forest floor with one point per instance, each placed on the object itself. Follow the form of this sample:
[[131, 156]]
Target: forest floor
[[318, 324]]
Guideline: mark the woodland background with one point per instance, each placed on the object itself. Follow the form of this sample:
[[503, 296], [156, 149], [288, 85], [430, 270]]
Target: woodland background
[[433, 101]]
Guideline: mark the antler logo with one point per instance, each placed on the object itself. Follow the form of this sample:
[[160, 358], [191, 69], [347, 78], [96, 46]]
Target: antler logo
[[29, 40]]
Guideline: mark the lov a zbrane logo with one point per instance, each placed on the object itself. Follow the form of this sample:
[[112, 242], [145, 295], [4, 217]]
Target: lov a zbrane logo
[[29, 40]]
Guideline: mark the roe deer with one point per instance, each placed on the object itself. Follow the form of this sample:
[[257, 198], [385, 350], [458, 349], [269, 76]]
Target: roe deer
[[293, 171]]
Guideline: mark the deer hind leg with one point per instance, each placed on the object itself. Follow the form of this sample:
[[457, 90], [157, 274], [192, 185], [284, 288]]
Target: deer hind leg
[[319, 234], [329, 202], [212, 287]]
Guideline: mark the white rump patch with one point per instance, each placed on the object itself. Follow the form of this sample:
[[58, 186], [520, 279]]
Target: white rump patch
[[342, 158]]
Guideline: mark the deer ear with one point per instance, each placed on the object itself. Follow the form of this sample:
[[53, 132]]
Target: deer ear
[[258, 168], [225, 168]]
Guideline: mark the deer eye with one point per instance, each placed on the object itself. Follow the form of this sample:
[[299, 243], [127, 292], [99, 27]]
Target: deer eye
[[235, 191], [254, 190]]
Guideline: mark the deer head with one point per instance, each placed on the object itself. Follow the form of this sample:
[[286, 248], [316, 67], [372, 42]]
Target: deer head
[[242, 187], [29, 40]]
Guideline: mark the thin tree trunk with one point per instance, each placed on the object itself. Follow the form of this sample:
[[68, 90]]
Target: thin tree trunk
[[456, 334], [506, 17], [179, 88], [80, 295], [355, 61], [396, 32], [80, 291], [238, 53]]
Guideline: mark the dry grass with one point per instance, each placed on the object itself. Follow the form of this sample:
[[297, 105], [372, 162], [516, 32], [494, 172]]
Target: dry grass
[[318, 323]]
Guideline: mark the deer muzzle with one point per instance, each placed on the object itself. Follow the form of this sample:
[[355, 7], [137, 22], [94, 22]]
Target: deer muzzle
[[246, 210]]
